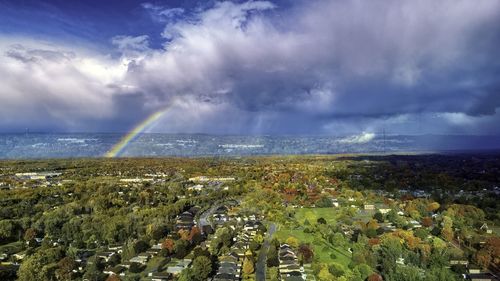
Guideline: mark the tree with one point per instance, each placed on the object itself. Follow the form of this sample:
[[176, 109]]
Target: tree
[[421, 233], [374, 277], [180, 248], [41, 265], [113, 277], [202, 267], [338, 239], [324, 274], [140, 246], [440, 274], [65, 268], [292, 241], [324, 202], [29, 234], [254, 246], [379, 217], [372, 224], [405, 273], [93, 270], [336, 269], [272, 257], [273, 274], [447, 231], [306, 253], [168, 244], [184, 234], [195, 235], [248, 266], [186, 275], [483, 258], [432, 207], [391, 250], [427, 221], [6, 230], [364, 270], [136, 267]]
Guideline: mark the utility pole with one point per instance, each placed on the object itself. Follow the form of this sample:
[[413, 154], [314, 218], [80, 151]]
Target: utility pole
[[384, 141]]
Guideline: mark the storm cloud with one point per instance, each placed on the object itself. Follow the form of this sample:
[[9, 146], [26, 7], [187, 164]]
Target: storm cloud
[[255, 67]]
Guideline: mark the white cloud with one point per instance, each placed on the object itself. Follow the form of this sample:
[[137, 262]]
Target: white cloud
[[359, 139], [236, 65], [61, 86]]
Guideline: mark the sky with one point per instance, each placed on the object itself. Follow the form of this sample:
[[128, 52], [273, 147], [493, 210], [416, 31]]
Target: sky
[[251, 67]]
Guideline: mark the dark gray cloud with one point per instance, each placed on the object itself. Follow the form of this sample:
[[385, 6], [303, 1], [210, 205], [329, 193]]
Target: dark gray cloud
[[320, 66]]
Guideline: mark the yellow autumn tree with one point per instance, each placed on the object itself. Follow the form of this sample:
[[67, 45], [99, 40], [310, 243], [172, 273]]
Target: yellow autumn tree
[[248, 267]]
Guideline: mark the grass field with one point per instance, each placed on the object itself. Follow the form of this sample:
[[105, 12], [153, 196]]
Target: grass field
[[312, 214], [322, 250]]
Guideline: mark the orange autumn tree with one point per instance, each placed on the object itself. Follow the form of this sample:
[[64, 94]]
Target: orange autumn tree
[[184, 234], [168, 244], [194, 234], [427, 222]]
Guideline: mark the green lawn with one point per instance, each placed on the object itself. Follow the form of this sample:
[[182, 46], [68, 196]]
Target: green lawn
[[312, 214], [322, 249]]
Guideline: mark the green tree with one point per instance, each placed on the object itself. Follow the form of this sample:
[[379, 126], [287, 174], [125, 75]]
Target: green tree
[[273, 274], [93, 270], [41, 265], [379, 217], [202, 267], [405, 273], [440, 274], [6, 230], [272, 257], [180, 248], [186, 275]]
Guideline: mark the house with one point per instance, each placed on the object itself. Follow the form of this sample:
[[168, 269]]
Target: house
[[142, 258], [160, 276], [383, 208], [116, 248], [387, 227], [185, 221], [293, 278], [225, 277], [115, 270], [19, 256], [180, 266], [175, 270], [105, 255], [37, 176], [335, 202], [198, 187], [459, 262], [229, 267], [485, 228], [481, 277], [369, 207], [414, 224]]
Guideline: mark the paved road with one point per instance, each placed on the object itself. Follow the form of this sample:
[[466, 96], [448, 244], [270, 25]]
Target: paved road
[[260, 266], [203, 219]]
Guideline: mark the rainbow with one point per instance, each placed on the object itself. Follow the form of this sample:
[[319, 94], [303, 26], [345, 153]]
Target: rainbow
[[118, 148]]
